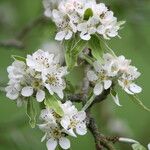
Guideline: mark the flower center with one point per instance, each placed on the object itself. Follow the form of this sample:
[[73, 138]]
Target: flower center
[[56, 133], [51, 79], [36, 84], [73, 124]]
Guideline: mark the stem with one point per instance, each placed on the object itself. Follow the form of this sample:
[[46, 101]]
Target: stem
[[88, 59], [89, 102]]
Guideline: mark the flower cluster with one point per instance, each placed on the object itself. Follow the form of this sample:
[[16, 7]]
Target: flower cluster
[[57, 128], [37, 73], [85, 17], [114, 69]]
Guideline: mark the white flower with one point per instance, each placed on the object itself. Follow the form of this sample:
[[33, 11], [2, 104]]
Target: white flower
[[16, 71], [149, 146], [40, 60], [12, 91], [49, 5], [54, 136], [56, 49], [75, 122], [16, 74], [65, 26], [126, 81], [53, 79], [87, 28], [100, 77]]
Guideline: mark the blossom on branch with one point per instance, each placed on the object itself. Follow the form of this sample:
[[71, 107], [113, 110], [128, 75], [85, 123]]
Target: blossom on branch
[[85, 17], [111, 70], [57, 128], [34, 76]]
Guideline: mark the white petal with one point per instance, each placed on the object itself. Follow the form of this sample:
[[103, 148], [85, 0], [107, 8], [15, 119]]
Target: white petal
[[107, 84], [71, 132], [60, 94], [128, 91], [92, 76], [69, 35], [81, 116], [60, 35], [64, 143], [51, 144], [27, 91], [148, 146], [48, 13], [98, 89], [81, 129], [40, 96], [135, 88], [65, 122], [85, 36]]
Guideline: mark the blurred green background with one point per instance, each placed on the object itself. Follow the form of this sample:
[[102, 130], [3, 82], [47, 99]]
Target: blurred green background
[[129, 120]]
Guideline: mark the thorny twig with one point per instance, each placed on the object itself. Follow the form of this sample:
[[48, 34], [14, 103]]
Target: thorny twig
[[17, 42]]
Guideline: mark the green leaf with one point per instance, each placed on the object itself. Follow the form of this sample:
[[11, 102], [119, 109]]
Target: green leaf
[[139, 102], [88, 13], [115, 97], [96, 48], [138, 146], [31, 112], [53, 103], [19, 58], [73, 48]]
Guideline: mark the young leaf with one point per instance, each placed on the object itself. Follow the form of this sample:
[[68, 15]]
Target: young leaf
[[31, 112], [68, 46], [72, 51], [88, 13], [53, 103], [139, 102], [115, 97], [138, 146], [95, 46], [19, 58]]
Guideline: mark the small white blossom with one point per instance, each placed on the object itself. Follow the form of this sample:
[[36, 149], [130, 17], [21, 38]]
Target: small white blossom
[[87, 29], [53, 79], [40, 60], [56, 49], [65, 25], [49, 5], [74, 122], [57, 128], [100, 77]]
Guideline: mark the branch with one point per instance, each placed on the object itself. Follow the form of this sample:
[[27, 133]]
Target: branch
[[100, 141], [17, 42]]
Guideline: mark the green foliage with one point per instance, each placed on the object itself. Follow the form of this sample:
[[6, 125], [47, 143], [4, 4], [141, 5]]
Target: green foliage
[[53, 103], [96, 48], [19, 58], [31, 112], [73, 48]]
